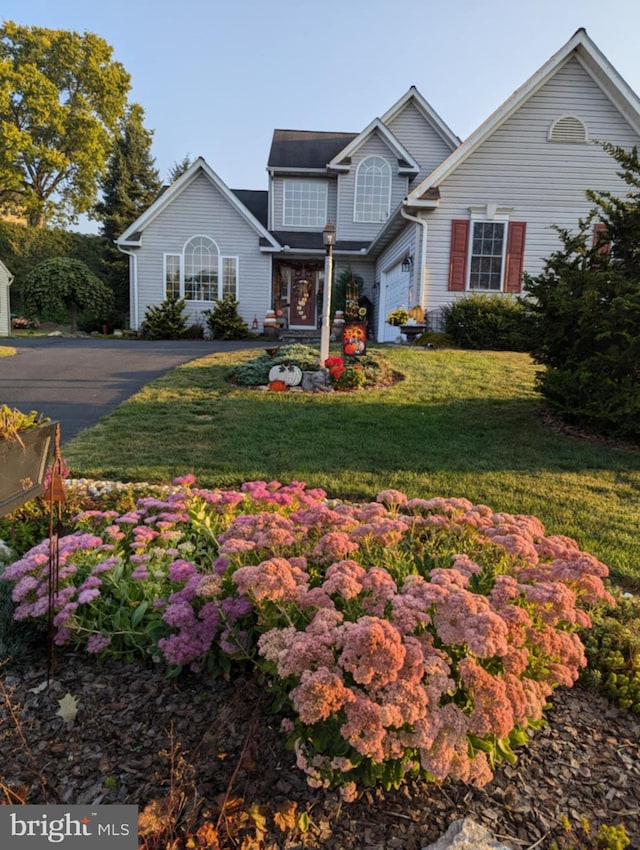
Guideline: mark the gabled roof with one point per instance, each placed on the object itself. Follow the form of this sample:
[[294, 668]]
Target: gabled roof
[[413, 95], [305, 150], [133, 234], [593, 61], [342, 160], [313, 241], [256, 201]]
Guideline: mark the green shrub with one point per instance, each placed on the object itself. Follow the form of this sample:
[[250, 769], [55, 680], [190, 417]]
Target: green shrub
[[168, 321], [613, 651], [224, 322], [433, 339], [255, 372], [488, 322], [194, 331], [352, 378]]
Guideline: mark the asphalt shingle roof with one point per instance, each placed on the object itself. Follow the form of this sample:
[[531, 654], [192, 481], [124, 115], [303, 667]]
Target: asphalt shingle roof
[[306, 148]]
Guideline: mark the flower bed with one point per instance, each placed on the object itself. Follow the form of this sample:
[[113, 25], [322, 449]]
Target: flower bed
[[399, 637]]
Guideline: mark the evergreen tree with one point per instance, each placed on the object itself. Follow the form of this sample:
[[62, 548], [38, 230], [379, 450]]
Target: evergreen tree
[[130, 185], [179, 168], [586, 310]]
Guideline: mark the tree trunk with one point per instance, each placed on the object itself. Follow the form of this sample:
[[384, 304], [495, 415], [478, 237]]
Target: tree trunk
[[36, 218]]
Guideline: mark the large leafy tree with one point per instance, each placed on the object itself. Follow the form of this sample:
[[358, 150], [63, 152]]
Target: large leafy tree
[[61, 98], [586, 309], [66, 285], [130, 185]]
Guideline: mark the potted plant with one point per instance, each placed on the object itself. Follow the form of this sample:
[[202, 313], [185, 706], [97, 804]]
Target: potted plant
[[26, 446], [398, 317]]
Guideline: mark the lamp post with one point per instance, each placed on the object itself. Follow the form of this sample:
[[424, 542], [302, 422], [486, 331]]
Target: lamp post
[[329, 240]]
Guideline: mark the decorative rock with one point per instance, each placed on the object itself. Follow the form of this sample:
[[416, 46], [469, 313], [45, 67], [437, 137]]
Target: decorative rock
[[315, 381], [466, 835]]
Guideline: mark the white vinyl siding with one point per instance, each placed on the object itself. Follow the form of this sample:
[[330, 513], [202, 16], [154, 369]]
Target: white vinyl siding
[[540, 183], [305, 203], [419, 137], [202, 210]]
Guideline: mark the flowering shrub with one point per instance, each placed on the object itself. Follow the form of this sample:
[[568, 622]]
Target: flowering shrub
[[345, 377], [336, 367], [400, 637]]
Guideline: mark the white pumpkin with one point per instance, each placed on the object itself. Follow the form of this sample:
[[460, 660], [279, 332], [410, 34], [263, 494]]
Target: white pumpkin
[[290, 375]]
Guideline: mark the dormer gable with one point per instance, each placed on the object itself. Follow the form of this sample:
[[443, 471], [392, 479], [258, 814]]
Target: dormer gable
[[579, 48], [406, 162], [413, 98]]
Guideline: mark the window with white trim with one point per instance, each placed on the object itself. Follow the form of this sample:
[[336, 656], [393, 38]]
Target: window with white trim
[[304, 203], [486, 264], [230, 277], [201, 261], [200, 273], [373, 190], [172, 275]]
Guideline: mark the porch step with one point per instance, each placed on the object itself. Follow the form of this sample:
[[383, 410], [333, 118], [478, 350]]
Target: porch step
[[305, 337]]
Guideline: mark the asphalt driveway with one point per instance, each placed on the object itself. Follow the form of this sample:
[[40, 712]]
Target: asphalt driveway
[[78, 381]]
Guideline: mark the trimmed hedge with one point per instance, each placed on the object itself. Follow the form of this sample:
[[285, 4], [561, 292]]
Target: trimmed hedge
[[492, 322]]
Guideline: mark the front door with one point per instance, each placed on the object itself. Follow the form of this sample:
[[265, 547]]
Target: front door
[[303, 297]]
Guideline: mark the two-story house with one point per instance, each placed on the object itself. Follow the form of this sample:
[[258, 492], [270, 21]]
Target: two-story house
[[420, 216]]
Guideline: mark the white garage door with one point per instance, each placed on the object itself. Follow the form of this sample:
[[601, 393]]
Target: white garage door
[[396, 288]]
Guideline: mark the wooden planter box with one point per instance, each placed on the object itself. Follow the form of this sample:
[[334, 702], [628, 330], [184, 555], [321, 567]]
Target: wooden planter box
[[23, 466]]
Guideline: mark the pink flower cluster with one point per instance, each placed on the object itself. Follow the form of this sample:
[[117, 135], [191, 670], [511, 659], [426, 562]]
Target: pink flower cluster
[[406, 635]]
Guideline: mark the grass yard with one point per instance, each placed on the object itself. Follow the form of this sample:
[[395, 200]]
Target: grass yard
[[460, 423]]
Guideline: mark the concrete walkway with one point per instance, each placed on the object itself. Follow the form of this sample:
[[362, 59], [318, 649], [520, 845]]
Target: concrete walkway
[[77, 381]]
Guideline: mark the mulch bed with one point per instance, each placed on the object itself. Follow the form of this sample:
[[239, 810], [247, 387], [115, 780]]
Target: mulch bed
[[209, 751]]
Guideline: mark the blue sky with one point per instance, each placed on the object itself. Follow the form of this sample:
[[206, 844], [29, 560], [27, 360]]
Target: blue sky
[[215, 77]]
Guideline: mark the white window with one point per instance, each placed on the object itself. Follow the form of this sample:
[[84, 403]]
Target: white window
[[373, 190], [200, 273], [304, 203], [229, 277], [488, 244], [201, 260], [172, 275]]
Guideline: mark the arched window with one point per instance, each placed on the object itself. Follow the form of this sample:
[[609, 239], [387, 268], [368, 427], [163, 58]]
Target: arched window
[[568, 129], [201, 269], [373, 190]]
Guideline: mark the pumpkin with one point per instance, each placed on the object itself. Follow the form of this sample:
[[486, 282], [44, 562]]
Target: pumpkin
[[291, 376], [277, 387]]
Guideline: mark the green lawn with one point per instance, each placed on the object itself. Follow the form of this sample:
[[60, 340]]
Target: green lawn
[[461, 423]]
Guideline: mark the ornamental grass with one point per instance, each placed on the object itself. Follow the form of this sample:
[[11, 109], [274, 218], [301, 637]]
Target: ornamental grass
[[399, 637]]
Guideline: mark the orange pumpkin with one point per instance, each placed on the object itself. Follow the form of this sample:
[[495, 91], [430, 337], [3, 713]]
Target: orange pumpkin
[[277, 387]]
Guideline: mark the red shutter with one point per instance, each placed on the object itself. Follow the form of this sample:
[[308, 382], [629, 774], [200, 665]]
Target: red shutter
[[600, 240], [515, 256], [458, 257]]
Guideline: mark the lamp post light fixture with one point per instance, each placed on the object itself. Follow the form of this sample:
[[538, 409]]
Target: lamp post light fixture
[[329, 240]]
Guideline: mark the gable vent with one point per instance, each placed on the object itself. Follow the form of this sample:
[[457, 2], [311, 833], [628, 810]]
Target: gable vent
[[568, 129]]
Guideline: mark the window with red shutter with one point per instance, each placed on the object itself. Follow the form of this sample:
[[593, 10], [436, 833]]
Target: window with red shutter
[[481, 261]]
